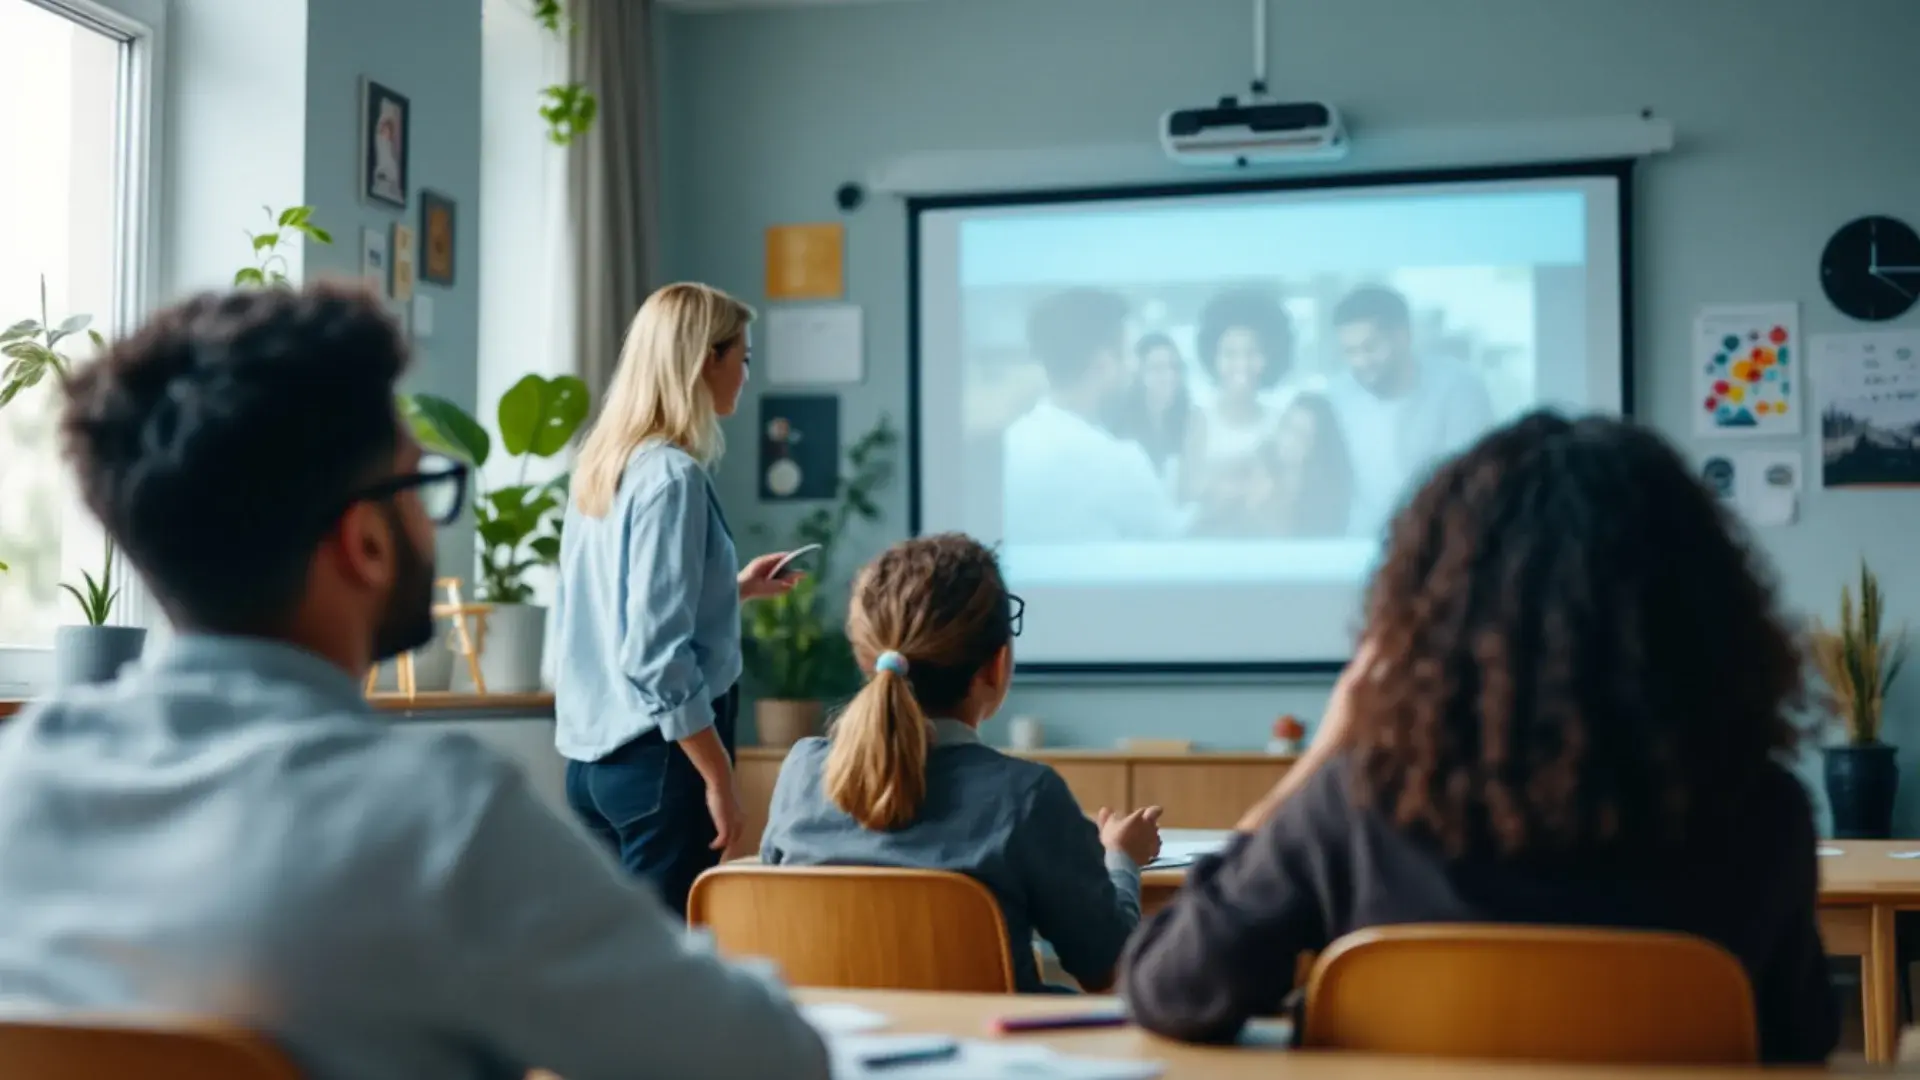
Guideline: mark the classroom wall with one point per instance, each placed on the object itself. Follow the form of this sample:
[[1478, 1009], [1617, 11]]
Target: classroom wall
[[1792, 117], [429, 52]]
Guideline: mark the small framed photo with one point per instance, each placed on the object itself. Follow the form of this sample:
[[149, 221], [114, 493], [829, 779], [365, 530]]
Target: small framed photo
[[373, 261], [383, 144], [436, 232], [403, 262]]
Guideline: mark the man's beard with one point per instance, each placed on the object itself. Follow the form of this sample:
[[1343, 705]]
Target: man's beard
[[407, 623]]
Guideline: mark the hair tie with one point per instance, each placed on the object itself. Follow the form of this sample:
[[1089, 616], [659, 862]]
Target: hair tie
[[891, 661]]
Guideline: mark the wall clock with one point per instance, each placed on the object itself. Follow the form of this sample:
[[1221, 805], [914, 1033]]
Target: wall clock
[[1871, 268]]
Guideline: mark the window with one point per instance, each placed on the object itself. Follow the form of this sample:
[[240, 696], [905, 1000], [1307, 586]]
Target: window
[[76, 97]]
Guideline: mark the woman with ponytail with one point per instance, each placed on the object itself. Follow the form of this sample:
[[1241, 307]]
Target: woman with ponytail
[[904, 780]]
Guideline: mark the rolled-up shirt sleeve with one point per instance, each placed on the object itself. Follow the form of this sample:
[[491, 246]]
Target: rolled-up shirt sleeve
[[667, 547]]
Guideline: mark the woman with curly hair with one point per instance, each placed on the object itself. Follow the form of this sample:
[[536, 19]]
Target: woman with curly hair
[[1568, 708]]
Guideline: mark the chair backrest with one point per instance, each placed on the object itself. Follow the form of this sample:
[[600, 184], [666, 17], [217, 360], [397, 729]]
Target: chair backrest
[[97, 1049], [1532, 993], [859, 927]]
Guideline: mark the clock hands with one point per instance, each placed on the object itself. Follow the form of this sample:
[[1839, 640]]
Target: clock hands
[[1873, 263]]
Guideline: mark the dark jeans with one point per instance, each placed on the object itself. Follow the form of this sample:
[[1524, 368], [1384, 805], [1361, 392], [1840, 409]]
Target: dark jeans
[[648, 804]]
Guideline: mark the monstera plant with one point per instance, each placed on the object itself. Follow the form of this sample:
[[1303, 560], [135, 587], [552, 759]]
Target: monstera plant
[[518, 525]]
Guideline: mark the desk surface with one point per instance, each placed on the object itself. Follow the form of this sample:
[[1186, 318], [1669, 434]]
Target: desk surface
[[967, 1016], [1864, 871]]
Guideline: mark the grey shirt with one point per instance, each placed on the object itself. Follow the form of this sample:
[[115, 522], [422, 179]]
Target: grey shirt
[[230, 831], [1011, 824]]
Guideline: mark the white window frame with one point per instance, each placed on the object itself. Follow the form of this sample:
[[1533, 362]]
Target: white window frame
[[141, 26]]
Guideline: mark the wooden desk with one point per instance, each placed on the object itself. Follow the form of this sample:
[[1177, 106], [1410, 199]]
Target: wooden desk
[[967, 1015], [1861, 892]]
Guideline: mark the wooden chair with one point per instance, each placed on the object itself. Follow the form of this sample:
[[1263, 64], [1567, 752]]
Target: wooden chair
[[99, 1050], [859, 927], [1533, 993]]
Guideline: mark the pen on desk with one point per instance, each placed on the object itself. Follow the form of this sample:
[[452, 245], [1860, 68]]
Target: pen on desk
[[915, 1056], [1010, 1025]]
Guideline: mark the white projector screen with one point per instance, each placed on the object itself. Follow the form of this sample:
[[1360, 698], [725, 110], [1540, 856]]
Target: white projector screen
[[1185, 415]]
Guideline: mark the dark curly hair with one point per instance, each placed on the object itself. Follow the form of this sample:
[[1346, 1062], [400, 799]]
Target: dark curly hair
[[215, 440], [1578, 657], [1260, 312]]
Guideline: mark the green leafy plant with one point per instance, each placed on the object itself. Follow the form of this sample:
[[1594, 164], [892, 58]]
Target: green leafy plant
[[32, 350], [270, 265], [96, 600], [519, 525], [796, 647], [1858, 661], [568, 108]]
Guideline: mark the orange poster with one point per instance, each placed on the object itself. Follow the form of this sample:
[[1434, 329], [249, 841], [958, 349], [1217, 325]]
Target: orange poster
[[806, 262]]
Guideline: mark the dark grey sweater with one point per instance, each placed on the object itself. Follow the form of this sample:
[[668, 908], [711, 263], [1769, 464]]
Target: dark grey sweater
[[1320, 868], [1009, 823]]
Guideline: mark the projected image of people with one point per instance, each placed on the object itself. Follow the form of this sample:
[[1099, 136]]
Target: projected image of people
[[1401, 410], [1142, 440], [1187, 418]]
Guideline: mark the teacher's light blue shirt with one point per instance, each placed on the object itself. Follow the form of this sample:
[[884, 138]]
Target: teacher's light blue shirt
[[647, 626]]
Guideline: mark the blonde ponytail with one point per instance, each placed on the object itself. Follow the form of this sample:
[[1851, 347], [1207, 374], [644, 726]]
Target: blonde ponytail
[[877, 768]]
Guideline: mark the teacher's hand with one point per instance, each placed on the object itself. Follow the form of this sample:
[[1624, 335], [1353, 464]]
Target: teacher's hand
[[757, 580]]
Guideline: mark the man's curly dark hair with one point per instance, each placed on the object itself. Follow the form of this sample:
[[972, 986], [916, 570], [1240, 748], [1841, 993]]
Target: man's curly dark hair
[[217, 441], [1579, 657]]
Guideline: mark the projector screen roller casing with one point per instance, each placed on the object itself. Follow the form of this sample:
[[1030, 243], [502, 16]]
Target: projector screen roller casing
[[1143, 547]]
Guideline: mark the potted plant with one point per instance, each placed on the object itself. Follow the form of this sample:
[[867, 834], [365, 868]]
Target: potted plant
[[797, 651], [1859, 663], [519, 524], [92, 651]]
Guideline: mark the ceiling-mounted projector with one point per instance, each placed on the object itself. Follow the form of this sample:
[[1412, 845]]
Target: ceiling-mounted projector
[[1235, 135]]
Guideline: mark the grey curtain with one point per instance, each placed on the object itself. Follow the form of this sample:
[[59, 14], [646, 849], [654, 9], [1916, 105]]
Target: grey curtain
[[612, 182]]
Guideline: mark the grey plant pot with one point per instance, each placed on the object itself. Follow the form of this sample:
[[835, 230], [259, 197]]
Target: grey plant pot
[[94, 654]]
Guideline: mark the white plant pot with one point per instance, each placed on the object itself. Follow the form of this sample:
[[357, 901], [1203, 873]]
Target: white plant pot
[[83, 655], [516, 637]]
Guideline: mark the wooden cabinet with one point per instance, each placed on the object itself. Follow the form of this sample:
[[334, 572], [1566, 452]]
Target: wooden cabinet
[[1197, 791]]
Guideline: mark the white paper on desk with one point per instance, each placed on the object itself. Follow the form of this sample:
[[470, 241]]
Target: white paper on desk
[[839, 1018], [1190, 850], [818, 343], [980, 1061]]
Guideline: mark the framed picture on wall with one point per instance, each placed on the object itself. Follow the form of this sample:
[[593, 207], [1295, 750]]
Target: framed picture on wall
[[386, 129], [436, 233]]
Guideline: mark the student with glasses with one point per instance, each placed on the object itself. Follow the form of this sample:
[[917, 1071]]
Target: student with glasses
[[229, 830], [905, 781]]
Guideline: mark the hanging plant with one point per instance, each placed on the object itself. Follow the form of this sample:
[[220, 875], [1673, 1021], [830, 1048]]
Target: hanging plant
[[568, 108]]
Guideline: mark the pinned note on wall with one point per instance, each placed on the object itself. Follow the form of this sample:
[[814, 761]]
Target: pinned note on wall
[[806, 262]]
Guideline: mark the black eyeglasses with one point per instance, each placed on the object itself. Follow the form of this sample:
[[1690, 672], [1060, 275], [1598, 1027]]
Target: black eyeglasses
[[440, 484], [1016, 614]]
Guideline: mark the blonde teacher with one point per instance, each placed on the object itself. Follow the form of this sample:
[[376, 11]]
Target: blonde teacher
[[648, 620]]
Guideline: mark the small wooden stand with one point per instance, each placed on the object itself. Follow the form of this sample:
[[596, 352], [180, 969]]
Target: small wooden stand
[[466, 641]]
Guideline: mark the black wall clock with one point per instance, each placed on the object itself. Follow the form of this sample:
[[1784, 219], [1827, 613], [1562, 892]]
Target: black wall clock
[[1871, 268]]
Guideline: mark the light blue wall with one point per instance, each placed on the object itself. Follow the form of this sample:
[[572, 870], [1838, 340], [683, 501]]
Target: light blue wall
[[428, 51], [1793, 116]]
